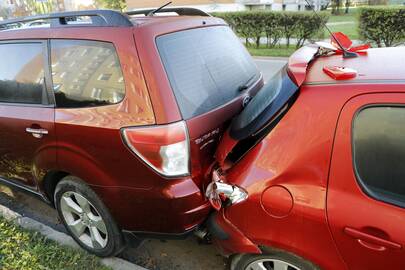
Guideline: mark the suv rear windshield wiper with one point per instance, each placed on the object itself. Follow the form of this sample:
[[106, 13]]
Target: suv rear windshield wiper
[[247, 84]]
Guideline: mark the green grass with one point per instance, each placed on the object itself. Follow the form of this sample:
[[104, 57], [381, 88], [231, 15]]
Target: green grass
[[25, 250], [277, 51], [351, 16], [350, 29]]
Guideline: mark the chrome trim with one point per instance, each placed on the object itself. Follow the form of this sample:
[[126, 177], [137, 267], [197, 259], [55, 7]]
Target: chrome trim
[[37, 132]]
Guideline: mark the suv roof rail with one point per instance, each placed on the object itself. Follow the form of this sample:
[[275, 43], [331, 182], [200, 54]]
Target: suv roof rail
[[181, 11], [62, 19]]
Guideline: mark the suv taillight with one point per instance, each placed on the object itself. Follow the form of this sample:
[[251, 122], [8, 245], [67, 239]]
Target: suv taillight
[[165, 148]]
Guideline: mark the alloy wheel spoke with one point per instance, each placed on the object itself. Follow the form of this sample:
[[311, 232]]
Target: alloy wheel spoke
[[68, 205], [258, 266], [77, 227], [278, 265], [96, 239], [98, 222], [84, 204]]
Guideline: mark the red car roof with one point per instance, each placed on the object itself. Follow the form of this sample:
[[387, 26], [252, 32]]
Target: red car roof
[[377, 65]]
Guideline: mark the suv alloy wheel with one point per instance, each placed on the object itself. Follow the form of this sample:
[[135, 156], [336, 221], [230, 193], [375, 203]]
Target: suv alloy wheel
[[86, 218]]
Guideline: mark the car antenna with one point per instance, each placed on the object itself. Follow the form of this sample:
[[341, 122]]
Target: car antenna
[[346, 53], [158, 9]]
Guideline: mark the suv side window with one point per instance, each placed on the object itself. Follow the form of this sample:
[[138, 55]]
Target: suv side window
[[379, 152], [86, 73], [22, 73]]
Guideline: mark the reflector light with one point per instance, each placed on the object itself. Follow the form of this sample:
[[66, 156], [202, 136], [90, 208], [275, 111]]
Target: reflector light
[[164, 148]]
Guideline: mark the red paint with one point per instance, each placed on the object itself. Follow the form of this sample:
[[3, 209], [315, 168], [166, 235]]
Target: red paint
[[342, 39], [236, 239], [332, 222], [87, 142], [298, 63], [340, 73], [347, 44], [277, 201], [363, 227], [225, 147]]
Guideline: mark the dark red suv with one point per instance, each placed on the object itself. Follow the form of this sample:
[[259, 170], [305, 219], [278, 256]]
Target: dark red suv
[[114, 118]]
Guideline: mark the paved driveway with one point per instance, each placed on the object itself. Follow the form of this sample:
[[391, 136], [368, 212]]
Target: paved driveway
[[152, 254]]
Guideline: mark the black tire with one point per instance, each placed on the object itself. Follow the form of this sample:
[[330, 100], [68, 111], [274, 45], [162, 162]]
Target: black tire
[[241, 262], [114, 239]]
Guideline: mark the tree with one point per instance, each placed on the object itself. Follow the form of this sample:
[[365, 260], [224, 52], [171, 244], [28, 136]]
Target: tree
[[347, 4], [5, 12], [32, 7], [336, 7], [112, 4]]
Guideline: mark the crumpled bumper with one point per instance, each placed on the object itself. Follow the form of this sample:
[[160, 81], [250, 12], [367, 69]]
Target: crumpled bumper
[[228, 238]]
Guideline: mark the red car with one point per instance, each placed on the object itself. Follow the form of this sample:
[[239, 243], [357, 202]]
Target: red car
[[311, 174], [114, 118]]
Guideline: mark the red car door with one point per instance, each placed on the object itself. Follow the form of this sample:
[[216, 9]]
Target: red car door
[[26, 113], [366, 192]]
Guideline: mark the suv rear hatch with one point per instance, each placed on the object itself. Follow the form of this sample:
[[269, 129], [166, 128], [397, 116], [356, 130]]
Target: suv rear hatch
[[212, 76]]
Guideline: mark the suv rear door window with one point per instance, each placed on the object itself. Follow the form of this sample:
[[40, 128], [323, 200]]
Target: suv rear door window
[[206, 67], [86, 73], [379, 152], [22, 73]]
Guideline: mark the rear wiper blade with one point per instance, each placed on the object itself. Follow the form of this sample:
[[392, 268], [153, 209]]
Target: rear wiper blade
[[246, 85]]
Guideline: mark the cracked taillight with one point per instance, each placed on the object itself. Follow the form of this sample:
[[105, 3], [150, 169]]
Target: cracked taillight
[[165, 148]]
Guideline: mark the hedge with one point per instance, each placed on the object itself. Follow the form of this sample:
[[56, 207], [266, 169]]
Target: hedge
[[383, 26], [253, 25]]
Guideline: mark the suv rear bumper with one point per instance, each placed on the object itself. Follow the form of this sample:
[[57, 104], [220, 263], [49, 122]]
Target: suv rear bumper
[[173, 209], [227, 237]]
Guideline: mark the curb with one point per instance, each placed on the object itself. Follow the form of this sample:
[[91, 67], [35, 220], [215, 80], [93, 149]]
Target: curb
[[61, 238]]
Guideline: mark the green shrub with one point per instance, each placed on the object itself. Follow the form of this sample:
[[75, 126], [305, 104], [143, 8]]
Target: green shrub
[[383, 26], [308, 26], [273, 29], [252, 25]]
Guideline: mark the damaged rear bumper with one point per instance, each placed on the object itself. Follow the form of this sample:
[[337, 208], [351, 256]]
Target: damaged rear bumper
[[228, 238]]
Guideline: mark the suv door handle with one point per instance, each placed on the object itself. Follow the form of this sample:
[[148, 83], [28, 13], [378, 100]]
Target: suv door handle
[[371, 241], [37, 132]]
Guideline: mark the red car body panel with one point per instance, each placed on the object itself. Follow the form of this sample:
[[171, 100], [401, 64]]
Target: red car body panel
[[299, 200], [20, 149], [371, 230], [298, 63]]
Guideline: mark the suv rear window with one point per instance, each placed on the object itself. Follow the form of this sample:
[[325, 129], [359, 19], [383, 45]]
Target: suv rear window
[[206, 67]]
